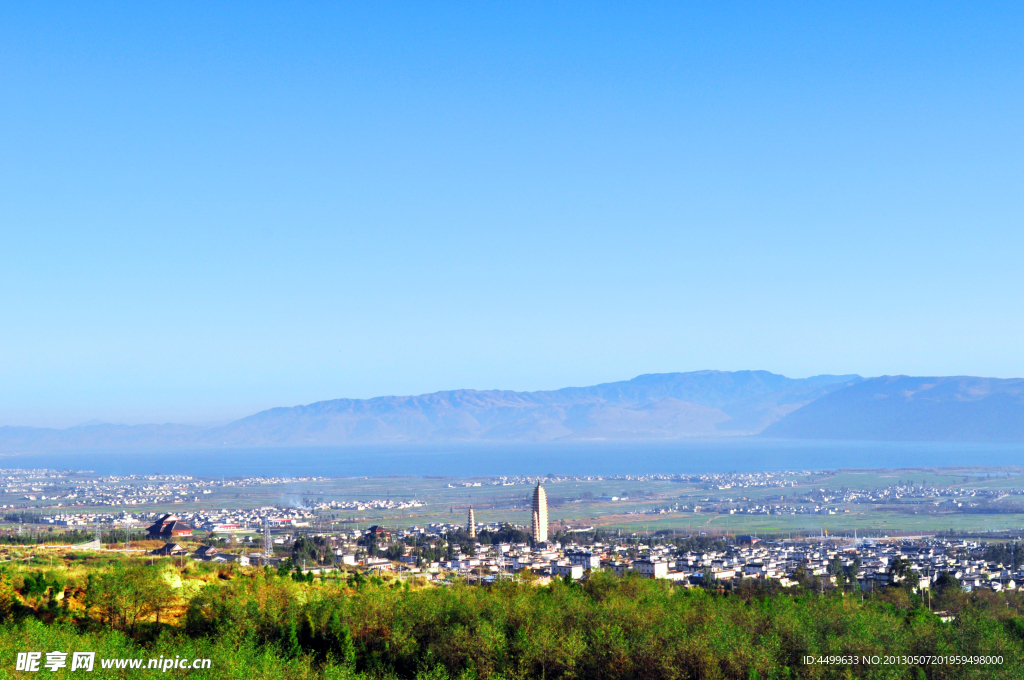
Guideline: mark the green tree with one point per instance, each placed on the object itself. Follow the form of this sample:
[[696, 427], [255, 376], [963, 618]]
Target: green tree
[[128, 594], [7, 601]]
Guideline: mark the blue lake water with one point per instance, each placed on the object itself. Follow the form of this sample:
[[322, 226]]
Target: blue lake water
[[605, 458]]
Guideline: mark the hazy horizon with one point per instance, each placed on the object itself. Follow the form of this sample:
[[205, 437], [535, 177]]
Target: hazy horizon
[[211, 423], [723, 455], [647, 408], [226, 421]]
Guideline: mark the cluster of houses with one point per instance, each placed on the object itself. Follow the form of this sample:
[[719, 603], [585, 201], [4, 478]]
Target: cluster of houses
[[731, 480], [52, 489], [170, 528], [897, 492], [229, 521], [871, 563], [386, 504]]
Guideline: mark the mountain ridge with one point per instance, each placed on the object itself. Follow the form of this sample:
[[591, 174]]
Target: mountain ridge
[[657, 406], [650, 406], [909, 408], [702, 404]]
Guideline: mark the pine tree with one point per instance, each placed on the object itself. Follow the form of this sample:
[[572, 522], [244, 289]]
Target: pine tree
[[341, 646], [291, 646]]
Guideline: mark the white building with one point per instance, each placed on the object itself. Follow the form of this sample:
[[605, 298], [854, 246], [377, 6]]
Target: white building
[[562, 569], [649, 568], [584, 558]]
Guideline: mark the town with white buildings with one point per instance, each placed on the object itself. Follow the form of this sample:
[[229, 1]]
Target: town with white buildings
[[485, 551]]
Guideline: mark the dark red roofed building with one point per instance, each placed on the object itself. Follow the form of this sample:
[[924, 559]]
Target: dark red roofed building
[[168, 526]]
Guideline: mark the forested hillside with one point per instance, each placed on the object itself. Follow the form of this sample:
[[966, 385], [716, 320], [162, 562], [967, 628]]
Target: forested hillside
[[271, 624]]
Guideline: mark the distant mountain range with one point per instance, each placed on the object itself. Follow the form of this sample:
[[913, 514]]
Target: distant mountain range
[[661, 406]]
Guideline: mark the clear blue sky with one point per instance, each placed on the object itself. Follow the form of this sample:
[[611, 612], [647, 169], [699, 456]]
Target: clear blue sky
[[210, 210]]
